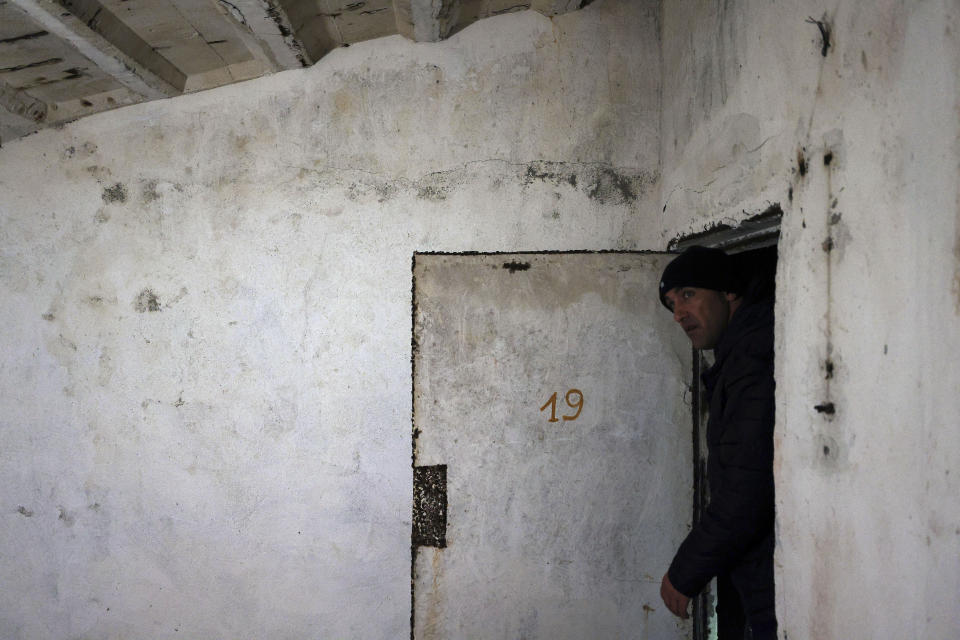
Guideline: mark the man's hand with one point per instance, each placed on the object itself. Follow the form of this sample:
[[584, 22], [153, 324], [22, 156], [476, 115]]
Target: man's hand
[[675, 601]]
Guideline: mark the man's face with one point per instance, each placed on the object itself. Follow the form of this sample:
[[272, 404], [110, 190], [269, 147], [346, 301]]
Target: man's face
[[702, 313]]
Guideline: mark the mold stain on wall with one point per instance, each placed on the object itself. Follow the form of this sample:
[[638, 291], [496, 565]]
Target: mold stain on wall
[[601, 182], [115, 193], [146, 301]]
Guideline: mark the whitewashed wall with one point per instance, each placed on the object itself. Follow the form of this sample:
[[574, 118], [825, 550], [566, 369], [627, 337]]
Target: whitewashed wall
[[206, 304], [867, 498], [206, 316]]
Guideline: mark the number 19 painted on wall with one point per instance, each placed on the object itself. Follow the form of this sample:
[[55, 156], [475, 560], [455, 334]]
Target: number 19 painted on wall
[[573, 404]]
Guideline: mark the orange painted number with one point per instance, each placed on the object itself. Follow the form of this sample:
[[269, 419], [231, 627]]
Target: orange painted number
[[574, 399], [578, 405], [552, 403]]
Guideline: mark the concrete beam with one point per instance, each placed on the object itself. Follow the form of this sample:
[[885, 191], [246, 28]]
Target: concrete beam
[[426, 20], [44, 79], [51, 18], [323, 25], [267, 22], [190, 45], [555, 7], [21, 104]]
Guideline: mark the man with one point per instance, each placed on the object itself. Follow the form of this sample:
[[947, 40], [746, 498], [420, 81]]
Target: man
[[734, 539]]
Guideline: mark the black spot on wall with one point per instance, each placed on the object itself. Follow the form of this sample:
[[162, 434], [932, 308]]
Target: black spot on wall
[[146, 301], [824, 27], [430, 506], [26, 513], [116, 193], [826, 408], [514, 266], [801, 163]]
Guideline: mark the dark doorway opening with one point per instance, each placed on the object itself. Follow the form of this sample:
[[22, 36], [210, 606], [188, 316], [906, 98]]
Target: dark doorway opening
[[754, 245]]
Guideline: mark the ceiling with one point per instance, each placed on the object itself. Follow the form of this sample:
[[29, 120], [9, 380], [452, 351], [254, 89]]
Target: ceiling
[[64, 59]]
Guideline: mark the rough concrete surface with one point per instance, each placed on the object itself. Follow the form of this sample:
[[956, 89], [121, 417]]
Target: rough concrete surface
[[206, 379]]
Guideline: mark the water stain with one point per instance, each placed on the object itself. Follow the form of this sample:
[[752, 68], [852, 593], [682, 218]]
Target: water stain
[[149, 191], [66, 517], [602, 183], [433, 187], [613, 186], [146, 301], [556, 173]]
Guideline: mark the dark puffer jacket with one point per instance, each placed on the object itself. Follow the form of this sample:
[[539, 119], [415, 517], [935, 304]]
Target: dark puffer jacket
[[735, 534]]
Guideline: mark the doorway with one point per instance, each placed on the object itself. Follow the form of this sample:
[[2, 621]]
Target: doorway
[[754, 245]]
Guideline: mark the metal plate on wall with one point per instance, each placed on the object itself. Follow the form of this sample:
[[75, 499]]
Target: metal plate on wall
[[552, 388]]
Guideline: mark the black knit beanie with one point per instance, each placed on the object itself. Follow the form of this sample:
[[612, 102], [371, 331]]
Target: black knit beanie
[[701, 267]]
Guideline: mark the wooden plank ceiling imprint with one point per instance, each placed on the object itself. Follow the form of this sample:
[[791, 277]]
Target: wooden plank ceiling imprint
[[64, 59]]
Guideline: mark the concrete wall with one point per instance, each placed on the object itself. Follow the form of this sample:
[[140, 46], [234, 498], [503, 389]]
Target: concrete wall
[[206, 304], [207, 312], [860, 147]]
